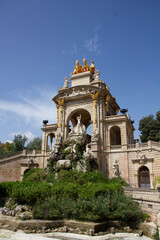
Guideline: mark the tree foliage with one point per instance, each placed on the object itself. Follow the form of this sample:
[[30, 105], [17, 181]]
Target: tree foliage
[[6, 149], [150, 128], [36, 144], [19, 142]]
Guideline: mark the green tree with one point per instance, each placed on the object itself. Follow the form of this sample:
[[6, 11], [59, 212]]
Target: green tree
[[150, 128], [6, 148], [36, 144], [19, 142]]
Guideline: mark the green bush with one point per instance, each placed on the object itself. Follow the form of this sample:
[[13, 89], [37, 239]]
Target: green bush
[[76, 195], [35, 175], [6, 188], [96, 209], [65, 208], [124, 208], [29, 193]]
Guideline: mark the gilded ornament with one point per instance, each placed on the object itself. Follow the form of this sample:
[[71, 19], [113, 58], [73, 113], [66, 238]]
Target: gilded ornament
[[86, 66], [107, 101], [92, 67], [117, 110], [78, 68], [60, 102], [95, 95]]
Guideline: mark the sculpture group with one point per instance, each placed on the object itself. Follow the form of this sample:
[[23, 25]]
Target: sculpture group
[[85, 68], [75, 153]]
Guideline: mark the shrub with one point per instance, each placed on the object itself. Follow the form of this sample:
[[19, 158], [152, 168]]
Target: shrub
[[6, 188], [124, 208], [96, 209], [35, 175], [29, 193], [66, 208]]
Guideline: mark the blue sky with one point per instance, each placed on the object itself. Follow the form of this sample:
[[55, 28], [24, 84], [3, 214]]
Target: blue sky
[[41, 39]]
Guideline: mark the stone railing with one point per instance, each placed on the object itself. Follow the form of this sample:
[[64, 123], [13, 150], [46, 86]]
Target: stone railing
[[115, 147], [24, 154], [11, 155], [149, 144], [143, 194]]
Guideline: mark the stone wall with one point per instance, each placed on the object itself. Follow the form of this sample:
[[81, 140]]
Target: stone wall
[[149, 201], [13, 168]]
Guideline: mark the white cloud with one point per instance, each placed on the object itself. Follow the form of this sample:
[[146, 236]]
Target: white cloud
[[31, 108], [28, 134], [9, 141], [92, 44]]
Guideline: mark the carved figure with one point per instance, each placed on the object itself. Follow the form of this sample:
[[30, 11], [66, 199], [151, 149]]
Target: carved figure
[[78, 68], [86, 66], [66, 82], [63, 164], [95, 136], [71, 148], [79, 129], [30, 161], [92, 67], [58, 139], [96, 75], [141, 155], [115, 167], [88, 154]]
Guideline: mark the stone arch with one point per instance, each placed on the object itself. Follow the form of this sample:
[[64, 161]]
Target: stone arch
[[85, 118], [50, 140], [115, 135], [26, 171], [143, 177]]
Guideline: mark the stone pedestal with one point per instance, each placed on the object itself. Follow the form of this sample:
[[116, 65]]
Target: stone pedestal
[[84, 78]]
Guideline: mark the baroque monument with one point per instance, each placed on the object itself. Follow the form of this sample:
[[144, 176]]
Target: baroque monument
[[85, 101]]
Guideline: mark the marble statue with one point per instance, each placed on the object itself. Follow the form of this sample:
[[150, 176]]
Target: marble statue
[[88, 154], [96, 75], [66, 82], [79, 129], [115, 168]]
